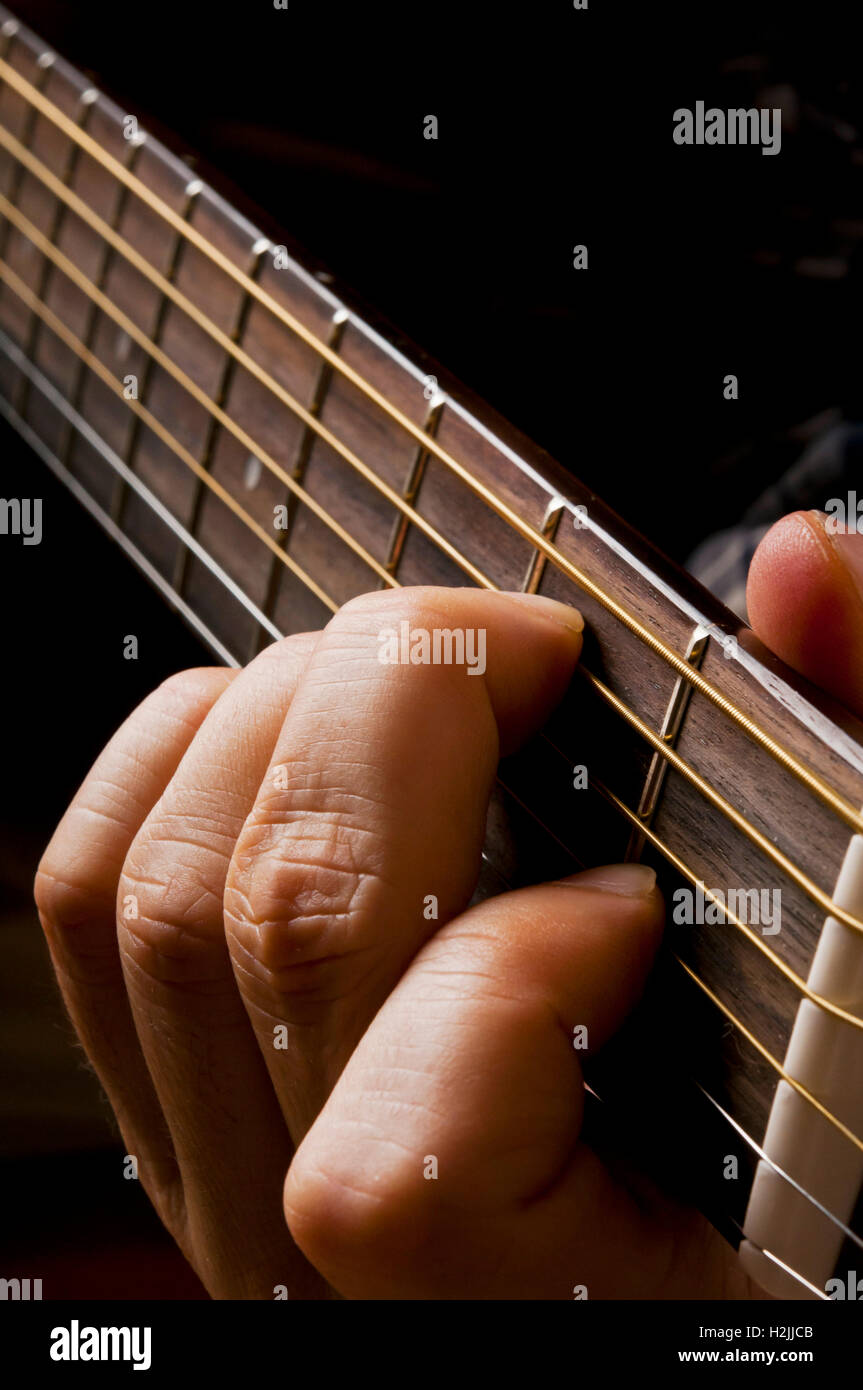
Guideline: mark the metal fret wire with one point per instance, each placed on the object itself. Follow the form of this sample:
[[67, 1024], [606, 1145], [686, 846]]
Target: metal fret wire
[[156, 354], [95, 364], [429, 445], [110, 526], [36, 378], [684, 870], [59, 403], [72, 159], [839, 804], [823, 900], [732, 917], [118, 502], [71, 415], [810, 888], [105, 265], [97, 296], [169, 291]]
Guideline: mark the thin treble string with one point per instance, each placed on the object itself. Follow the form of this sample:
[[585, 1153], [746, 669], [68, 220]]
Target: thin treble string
[[829, 795], [658, 744], [103, 301], [771, 1163], [305, 580], [58, 327], [39, 382], [768, 1056], [71, 271], [684, 870], [170, 291], [99, 369]]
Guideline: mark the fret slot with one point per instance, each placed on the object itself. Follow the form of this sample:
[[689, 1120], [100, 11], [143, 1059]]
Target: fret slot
[[156, 388], [374, 440], [18, 116], [244, 559], [77, 241], [61, 155], [298, 472], [226, 375]]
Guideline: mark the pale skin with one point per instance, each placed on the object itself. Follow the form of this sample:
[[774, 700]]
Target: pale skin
[[279, 831]]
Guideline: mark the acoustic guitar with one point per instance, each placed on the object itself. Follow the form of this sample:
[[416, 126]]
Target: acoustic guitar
[[263, 452]]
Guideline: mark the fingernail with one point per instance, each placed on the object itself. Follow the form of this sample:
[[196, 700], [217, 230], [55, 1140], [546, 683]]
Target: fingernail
[[848, 546], [628, 880], [560, 613]]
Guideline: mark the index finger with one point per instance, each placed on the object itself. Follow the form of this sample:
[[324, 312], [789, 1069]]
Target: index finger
[[367, 830]]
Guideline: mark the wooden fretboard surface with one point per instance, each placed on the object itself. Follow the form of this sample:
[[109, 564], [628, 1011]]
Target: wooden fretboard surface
[[206, 537]]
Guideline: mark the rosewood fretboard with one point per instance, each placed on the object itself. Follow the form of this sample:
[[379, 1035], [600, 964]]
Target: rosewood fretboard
[[265, 454]]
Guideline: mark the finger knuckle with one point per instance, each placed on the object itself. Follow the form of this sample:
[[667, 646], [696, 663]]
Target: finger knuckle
[[169, 916], [368, 1230], [63, 899], [297, 898], [191, 683]]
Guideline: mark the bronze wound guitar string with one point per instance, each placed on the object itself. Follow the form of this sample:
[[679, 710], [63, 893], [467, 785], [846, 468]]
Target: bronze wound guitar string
[[838, 803], [170, 291], [128, 326], [428, 444], [56, 325], [164, 360], [99, 369], [103, 302]]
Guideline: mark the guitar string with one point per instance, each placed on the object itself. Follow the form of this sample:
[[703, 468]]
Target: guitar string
[[795, 979], [853, 1020], [786, 1268], [641, 826], [716, 799], [120, 537], [70, 270], [768, 1055], [62, 406], [643, 730], [239, 512], [846, 1230], [651, 834], [128, 326], [816, 784], [170, 291], [97, 367]]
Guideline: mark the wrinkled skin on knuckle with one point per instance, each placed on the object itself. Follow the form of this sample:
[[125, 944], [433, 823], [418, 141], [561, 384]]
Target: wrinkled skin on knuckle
[[296, 908], [169, 911]]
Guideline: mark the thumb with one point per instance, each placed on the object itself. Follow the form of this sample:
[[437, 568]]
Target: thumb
[[804, 596], [446, 1161]]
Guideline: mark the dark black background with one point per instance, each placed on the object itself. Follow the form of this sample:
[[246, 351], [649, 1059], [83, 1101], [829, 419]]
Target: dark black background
[[555, 129]]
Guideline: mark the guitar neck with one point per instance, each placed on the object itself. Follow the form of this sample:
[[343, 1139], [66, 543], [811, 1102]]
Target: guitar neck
[[265, 452]]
